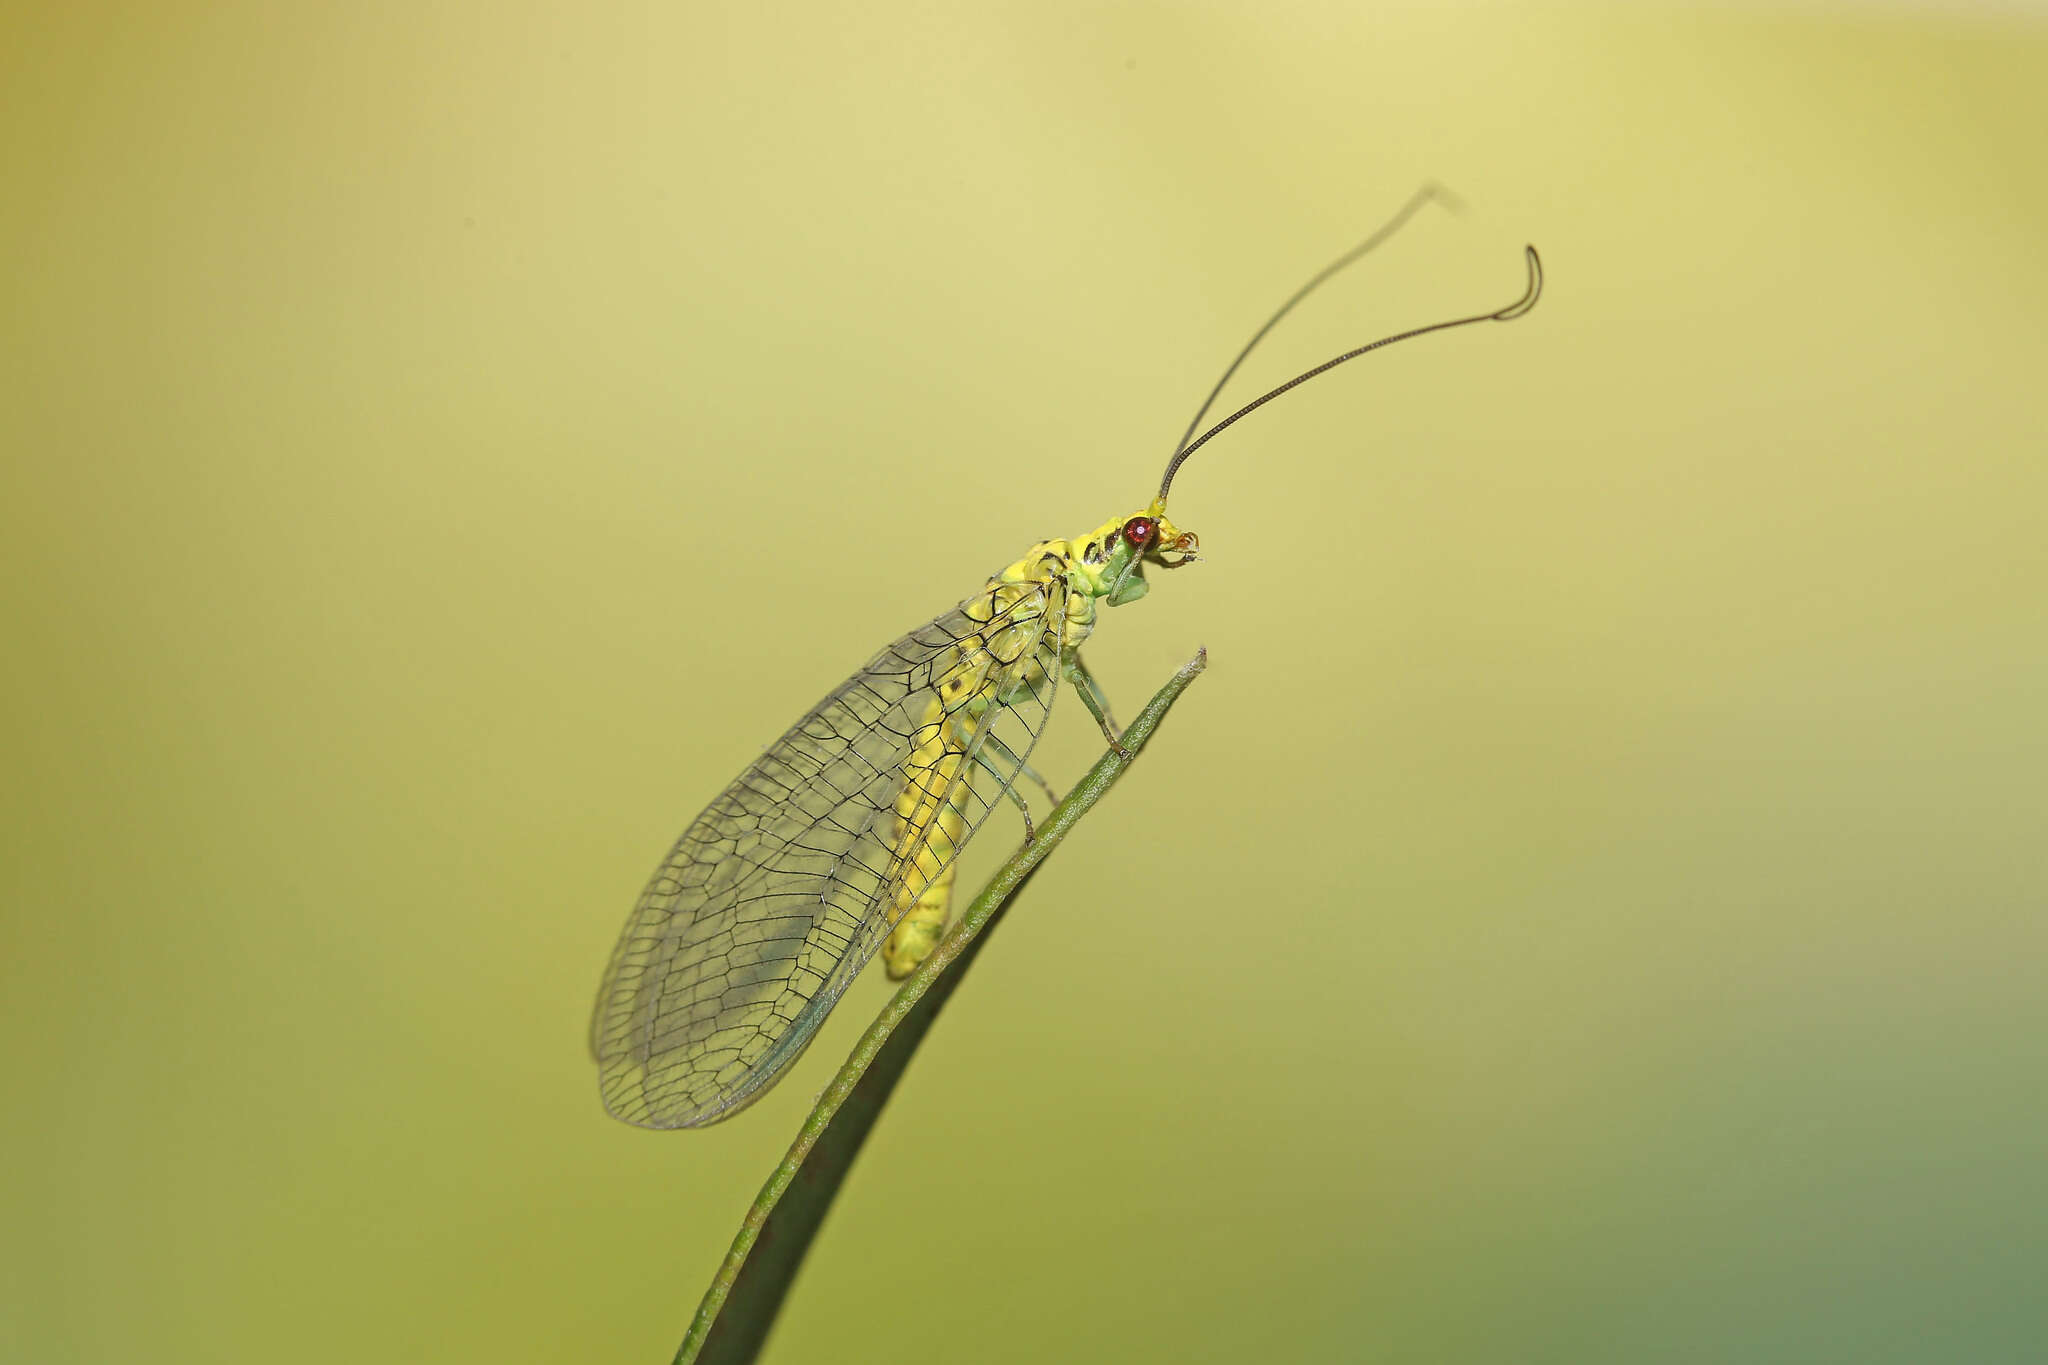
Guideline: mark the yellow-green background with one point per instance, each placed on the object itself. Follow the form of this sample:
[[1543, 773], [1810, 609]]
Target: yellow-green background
[[1592, 910]]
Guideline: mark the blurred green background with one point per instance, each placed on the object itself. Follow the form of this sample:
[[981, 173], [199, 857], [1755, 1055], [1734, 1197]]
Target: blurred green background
[[1590, 911]]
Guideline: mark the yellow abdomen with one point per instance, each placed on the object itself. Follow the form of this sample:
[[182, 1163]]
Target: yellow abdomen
[[928, 833]]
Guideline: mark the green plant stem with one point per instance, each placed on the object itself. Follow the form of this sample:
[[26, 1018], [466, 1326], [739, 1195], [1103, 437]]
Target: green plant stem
[[738, 1309]]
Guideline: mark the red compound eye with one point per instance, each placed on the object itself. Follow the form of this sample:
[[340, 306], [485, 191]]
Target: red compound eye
[[1140, 530]]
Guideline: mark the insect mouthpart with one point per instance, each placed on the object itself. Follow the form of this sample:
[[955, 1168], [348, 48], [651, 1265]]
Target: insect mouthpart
[[1157, 539]]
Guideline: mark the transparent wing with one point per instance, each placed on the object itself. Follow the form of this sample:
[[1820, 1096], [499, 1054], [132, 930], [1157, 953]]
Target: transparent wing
[[778, 894]]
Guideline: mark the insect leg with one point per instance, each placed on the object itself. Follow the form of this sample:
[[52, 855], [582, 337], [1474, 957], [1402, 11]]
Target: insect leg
[[1009, 786], [1093, 698]]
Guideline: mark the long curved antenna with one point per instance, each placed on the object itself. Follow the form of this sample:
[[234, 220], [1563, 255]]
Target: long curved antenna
[[1427, 194], [1507, 314]]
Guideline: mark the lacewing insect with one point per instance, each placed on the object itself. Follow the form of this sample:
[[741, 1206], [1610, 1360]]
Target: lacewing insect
[[841, 840]]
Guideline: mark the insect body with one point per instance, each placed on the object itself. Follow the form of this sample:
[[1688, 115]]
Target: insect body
[[1019, 602], [842, 838]]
